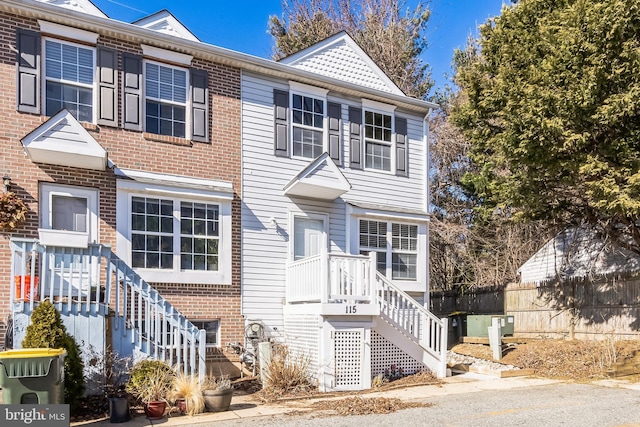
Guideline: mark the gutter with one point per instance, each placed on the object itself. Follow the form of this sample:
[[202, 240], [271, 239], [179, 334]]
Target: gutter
[[134, 33]]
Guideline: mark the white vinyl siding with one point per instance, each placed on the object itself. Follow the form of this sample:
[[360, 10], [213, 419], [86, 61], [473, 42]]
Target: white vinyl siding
[[265, 247], [69, 79]]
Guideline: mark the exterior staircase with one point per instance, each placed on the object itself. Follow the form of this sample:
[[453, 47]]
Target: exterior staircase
[[95, 291], [411, 326], [353, 299]]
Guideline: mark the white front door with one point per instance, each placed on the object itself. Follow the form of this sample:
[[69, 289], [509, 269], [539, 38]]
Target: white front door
[[308, 237], [73, 209]]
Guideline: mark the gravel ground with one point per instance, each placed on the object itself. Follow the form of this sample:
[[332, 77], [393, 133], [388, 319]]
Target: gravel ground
[[455, 359]]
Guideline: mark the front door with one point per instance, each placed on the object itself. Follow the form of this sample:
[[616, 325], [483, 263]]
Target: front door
[[308, 237], [75, 210]]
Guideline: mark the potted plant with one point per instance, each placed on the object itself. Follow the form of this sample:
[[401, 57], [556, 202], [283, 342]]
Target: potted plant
[[108, 372], [150, 382], [217, 393], [187, 393]]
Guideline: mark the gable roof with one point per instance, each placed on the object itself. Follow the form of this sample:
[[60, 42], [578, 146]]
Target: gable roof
[[577, 253], [135, 33], [63, 141], [164, 22], [340, 57], [84, 6], [320, 179]]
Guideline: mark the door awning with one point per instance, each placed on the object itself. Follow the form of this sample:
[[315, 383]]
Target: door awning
[[321, 179], [63, 141]]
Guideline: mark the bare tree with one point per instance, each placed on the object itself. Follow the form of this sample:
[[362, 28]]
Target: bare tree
[[392, 38]]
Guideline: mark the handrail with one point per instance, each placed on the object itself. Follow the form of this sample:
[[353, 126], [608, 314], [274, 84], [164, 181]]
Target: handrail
[[93, 279], [404, 312]]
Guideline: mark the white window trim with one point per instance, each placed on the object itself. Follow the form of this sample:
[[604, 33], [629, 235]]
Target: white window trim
[[218, 343], [94, 86], [47, 191], [127, 189], [187, 104], [71, 33], [296, 88], [293, 214], [355, 214], [389, 110], [166, 55]]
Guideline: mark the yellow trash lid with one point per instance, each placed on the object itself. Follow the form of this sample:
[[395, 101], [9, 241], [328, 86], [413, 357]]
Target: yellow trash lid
[[23, 353]]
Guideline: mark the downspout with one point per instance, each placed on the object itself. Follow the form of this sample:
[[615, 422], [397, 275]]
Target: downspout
[[427, 199]]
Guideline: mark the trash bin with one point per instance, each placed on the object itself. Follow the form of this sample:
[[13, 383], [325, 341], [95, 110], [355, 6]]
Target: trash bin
[[32, 376]]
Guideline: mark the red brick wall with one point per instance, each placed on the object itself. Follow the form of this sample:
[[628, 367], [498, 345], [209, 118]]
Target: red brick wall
[[217, 160]]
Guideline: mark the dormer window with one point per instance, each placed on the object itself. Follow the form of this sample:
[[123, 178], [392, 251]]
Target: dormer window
[[69, 79]]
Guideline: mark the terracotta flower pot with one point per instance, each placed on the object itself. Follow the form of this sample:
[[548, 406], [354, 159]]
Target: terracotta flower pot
[[155, 410], [217, 400]]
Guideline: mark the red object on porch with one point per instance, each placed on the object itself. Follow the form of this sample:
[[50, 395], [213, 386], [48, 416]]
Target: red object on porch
[[27, 288]]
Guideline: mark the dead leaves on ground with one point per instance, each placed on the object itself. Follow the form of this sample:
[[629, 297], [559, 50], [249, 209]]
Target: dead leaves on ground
[[358, 405]]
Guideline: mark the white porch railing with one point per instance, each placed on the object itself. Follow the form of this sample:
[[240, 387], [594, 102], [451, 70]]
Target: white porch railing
[[91, 279], [338, 278], [331, 278], [414, 320]]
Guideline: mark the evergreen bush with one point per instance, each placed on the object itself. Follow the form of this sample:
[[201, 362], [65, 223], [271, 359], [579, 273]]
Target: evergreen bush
[[47, 331]]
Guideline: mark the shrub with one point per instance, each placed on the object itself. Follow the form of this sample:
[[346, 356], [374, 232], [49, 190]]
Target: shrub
[[287, 373], [47, 331], [188, 387], [150, 380]]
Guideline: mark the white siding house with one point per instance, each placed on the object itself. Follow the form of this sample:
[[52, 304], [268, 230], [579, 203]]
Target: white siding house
[[577, 253], [334, 215]]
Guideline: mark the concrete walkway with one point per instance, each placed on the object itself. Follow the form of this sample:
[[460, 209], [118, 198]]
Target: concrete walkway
[[245, 406]]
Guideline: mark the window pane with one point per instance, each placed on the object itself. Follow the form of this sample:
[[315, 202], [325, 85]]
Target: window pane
[[308, 122], [404, 266]]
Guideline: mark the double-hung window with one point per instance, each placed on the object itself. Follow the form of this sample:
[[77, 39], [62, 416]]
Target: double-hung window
[[378, 142], [69, 79], [172, 235], [395, 245], [165, 99], [308, 123]]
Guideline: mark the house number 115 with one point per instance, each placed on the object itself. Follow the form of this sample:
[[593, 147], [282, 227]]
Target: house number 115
[[350, 309]]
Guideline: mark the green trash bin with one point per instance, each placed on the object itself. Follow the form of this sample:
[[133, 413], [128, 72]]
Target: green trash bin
[[32, 376]]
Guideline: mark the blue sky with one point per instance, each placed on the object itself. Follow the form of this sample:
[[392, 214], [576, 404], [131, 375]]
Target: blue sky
[[242, 25]]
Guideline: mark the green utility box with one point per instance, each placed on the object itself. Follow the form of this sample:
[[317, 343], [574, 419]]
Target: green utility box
[[32, 375], [478, 324]]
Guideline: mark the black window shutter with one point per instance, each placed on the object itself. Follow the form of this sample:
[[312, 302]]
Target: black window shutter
[[334, 111], [132, 91], [28, 65], [199, 105], [281, 121], [107, 84], [401, 147], [355, 137]]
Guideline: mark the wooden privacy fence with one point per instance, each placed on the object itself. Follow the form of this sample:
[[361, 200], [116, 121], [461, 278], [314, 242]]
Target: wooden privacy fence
[[576, 308], [477, 301]]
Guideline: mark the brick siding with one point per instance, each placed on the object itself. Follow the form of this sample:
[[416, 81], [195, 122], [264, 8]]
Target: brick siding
[[217, 160]]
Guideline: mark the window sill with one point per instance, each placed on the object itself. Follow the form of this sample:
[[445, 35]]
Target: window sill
[[167, 139], [184, 277]]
